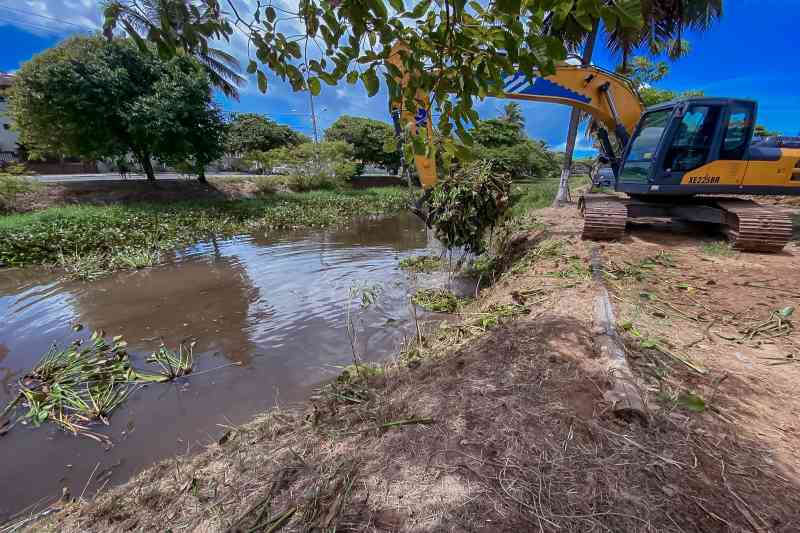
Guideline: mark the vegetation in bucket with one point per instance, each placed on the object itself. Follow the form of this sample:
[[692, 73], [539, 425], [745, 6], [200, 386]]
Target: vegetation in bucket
[[464, 207], [81, 385]]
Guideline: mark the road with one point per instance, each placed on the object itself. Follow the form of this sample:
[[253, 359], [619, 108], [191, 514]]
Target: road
[[114, 176]]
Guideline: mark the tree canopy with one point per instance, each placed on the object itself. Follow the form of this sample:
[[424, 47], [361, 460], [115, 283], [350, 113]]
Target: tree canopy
[[372, 140], [644, 72], [94, 98], [251, 132], [510, 151]]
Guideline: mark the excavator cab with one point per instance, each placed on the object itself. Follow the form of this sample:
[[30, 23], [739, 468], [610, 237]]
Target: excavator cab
[[688, 147]]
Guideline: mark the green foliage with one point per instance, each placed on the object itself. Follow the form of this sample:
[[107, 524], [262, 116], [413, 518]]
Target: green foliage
[[525, 160], [512, 114], [195, 26], [369, 139], [422, 263], [496, 133], [721, 249], [450, 48], [463, 207], [10, 186], [436, 300], [324, 165], [104, 99], [250, 132], [643, 72], [103, 232]]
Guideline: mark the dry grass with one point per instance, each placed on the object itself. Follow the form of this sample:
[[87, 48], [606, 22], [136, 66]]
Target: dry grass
[[496, 423]]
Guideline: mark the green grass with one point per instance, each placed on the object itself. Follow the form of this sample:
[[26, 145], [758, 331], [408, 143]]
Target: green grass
[[721, 249], [539, 194], [133, 235], [422, 263]]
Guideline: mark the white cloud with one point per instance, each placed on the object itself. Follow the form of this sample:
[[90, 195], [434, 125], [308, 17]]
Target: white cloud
[[52, 17]]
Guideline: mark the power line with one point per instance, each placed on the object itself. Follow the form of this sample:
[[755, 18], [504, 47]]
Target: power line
[[47, 17], [14, 22]]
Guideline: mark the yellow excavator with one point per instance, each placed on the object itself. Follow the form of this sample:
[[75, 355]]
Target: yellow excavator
[[672, 160]]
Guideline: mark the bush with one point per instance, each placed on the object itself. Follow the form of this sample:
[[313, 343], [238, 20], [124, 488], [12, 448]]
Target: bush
[[326, 165], [525, 160], [463, 207], [10, 187]]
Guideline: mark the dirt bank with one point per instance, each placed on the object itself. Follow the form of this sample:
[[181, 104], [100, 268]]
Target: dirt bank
[[500, 423]]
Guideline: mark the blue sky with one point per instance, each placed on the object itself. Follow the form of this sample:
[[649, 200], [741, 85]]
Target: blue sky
[[750, 53]]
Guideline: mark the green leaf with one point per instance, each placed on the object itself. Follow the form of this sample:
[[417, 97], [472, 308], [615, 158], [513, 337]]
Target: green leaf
[[313, 86], [649, 343], [692, 402], [271, 15], [352, 77], [370, 81], [786, 312], [420, 9], [252, 67], [397, 5], [509, 7], [262, 82]]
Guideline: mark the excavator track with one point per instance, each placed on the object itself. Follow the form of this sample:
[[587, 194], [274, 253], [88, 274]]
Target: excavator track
[[756, 228], [604, 217]]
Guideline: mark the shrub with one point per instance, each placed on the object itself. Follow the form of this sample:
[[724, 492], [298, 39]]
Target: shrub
[[326, 165], [10, 187], [463, 207]]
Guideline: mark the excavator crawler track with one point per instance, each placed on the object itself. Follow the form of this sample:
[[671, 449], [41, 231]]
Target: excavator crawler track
[[604, 217], [756, 228]]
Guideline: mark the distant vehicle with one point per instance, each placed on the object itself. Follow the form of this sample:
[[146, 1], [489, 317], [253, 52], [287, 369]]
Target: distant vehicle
[[604, 177]]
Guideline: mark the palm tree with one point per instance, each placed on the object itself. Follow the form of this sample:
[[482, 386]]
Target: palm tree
[[663, 25], [179, 25], [513, 115]]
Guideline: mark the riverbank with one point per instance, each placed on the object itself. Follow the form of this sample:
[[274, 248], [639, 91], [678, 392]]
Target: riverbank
[[135, 227], [501, 421]]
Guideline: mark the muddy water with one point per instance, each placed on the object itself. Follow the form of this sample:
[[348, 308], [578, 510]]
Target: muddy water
[[274, 304]]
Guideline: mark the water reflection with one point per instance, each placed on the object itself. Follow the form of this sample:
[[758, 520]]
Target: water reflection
[[275, 303]]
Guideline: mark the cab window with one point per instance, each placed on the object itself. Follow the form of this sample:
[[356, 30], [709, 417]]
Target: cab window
[[692, 140], [734, 143], [645, 144]]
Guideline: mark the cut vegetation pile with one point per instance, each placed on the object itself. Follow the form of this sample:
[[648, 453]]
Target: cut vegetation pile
[[499, 422], [81, 385]]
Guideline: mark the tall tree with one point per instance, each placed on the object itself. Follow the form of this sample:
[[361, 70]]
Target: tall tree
[[251, 132], [179, 24], [93, 98], [512, 114], [662, 30], [369, 138]]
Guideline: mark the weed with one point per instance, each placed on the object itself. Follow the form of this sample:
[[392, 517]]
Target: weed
[[548, 248], [10, 186], [721, 249], [422, 263], [86, 239], [575, 269], [437, 300], [174, 365]]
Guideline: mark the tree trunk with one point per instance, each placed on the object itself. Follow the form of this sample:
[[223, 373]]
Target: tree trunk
[[147, 166], [563, 197], [201, 173]]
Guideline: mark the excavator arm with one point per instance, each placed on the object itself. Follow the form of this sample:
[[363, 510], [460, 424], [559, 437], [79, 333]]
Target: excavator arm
[[609, 98]]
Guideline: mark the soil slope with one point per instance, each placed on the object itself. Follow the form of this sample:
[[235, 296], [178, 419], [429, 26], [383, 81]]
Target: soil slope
[[501, 423]]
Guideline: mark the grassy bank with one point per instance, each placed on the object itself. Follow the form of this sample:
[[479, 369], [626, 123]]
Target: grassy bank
[[135, 234]]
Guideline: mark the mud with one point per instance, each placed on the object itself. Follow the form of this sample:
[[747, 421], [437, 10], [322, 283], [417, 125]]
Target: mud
[[275, 304]]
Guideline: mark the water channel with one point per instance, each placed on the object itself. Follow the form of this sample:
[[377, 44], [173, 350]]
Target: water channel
[[276, 304]]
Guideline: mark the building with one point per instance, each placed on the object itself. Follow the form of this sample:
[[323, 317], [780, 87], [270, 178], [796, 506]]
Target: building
[[8, 138]]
